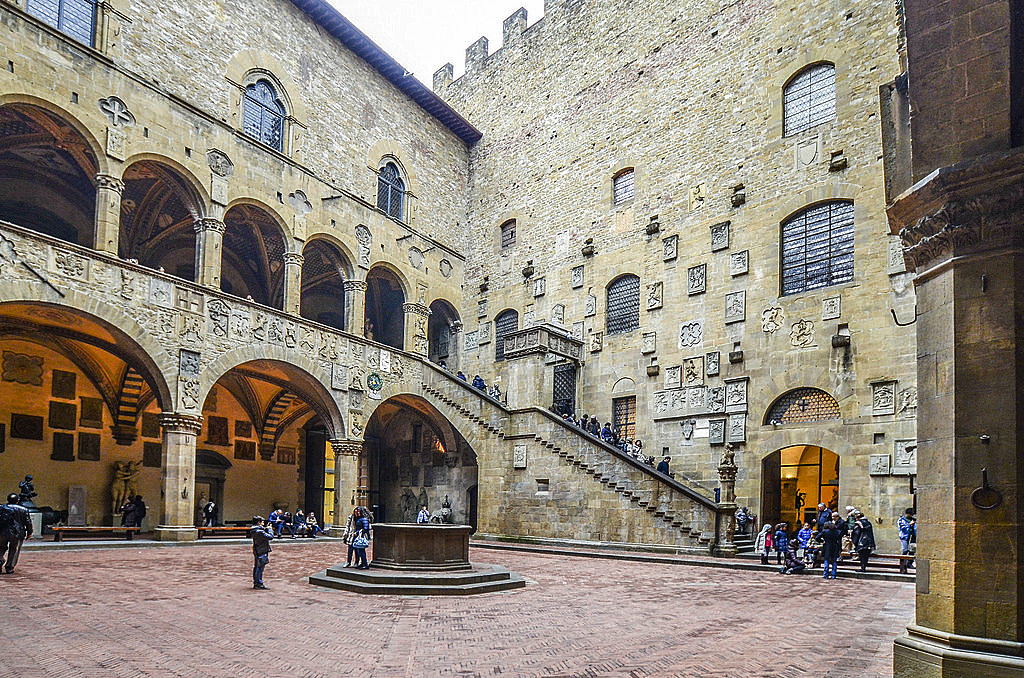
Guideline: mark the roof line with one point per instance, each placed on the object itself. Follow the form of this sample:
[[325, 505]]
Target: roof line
[[344, 31]]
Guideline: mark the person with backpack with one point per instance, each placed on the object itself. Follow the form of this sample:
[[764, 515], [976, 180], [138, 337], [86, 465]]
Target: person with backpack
[[831, 545], [15, 528], [781, 543], [361, 541], [209, 514], [261, 538], [863, 536]]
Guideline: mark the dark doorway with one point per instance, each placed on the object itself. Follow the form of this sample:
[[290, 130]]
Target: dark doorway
[[211, 471], [565, 388], [385, 315], [316, 449], [471, 507]]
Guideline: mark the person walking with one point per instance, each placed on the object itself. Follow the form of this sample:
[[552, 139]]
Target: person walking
[[832, 545], [15, 528], [261, 538], [663, 465], [781, 543], [349, 535], [362, 539], [478, 383], [763, 544], [907, 526], [863, 539]]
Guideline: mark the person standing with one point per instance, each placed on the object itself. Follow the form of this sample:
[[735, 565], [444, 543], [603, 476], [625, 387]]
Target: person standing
[[832, 545], [763, 545], [803, 538], [423, 517], [209, 514], [15, 528], [907, 526], [824, 516], [863, 539], [140, 510], [129, 514], [349, 535], [261, 538], [663, 465], [781, 543], [362, 539]]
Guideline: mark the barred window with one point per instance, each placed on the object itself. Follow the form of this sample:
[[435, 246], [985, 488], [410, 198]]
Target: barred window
[[505, 323], [508, 234], [391, 191], [263, 115], [809, 99], [624, 416], [817, 247], [802, 405], [623, 186], [623, 308], [75, 18]]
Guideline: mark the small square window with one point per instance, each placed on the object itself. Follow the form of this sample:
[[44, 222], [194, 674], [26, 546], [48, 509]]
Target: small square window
[[623, 185]]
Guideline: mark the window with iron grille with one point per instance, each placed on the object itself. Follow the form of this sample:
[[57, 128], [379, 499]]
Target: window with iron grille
[[263, 114], [623, 308], [624, 416], [564, 396], [802, 405], [622, 186], [506, 322], [817, 247], [391, 191], [508, 234], [75, 18], [809, 99]]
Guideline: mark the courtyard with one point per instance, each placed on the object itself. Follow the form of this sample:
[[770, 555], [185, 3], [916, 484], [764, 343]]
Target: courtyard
[[190, 611]]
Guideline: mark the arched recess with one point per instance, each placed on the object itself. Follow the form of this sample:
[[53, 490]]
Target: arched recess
[[325, 268], [385, 314], [253, 254], [47, 174], [794, 479], [413, 455], [440, 331], [802, 406], [159, 207]]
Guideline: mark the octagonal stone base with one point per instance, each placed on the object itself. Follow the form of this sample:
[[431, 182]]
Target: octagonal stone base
[[405, 546]]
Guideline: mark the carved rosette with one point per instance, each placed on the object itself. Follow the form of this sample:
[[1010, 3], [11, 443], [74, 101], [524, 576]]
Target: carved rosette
[[175, 422], [962, 211], [107, 182]]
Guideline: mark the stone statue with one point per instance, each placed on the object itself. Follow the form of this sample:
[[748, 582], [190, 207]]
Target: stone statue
[[26, 492], [728, 456], [422, 501], [123, 487], [445, 515], [408, 506]]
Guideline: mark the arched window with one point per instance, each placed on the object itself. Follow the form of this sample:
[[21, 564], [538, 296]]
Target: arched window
[[391, 191], [623, 186], [801, 406], [809, 98], [508, 234], [75, 18], [505, 323], [623, 307], [817, 247], [263, 116]]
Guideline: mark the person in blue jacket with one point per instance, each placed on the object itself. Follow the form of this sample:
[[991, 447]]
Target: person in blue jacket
[[781, 543], [803, 537]]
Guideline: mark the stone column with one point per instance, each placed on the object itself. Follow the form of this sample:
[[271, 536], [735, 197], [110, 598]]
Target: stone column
[[725, 522], [455, 347], [416, 328], [292, 282], [209, 242], [108, 212], [346, 477], [962, 229], [355, 306], [178, 477]]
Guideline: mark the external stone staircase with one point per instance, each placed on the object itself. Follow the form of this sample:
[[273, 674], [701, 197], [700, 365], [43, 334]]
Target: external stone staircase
[[660, 511]]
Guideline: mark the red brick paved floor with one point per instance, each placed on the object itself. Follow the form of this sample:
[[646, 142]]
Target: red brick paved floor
[[190, 611]]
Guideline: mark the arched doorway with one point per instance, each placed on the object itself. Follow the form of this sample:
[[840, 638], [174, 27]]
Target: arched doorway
[[414, 456], [79, 400], [440, 332], [253, 256], [273, 420], [47, 170], [794, 480], [385, 315], [159, 209], [324, 271], [211, 471]]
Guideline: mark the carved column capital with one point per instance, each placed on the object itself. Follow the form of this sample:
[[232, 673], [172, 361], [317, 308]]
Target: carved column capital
[[208, 224], [293, 259], [456, 326], [175, 422], [346, 448], [354, 285], [416, 309], [108, 182]]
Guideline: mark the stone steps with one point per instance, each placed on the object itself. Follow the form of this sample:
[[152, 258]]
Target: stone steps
[[481, 579]]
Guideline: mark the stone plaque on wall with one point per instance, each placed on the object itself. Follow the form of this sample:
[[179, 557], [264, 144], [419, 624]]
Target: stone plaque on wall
[[26, 426], [576, 276], [483, 333], [739, 263], [737, 432], [696, 279], [904, 458], [63, 385], [654, 295], [150, 425], [63, 415], [735, 307], [736, 395], [285, 455], [720, 236], [243, 429], [23, 368], [830, 308], [152, 454], [217, 431], [91, 413], [339, 377], [471, 343], [712, 361], [89, 446], [540, 287], [63, 447], [245, 449], [878, 465], [693, 371], [673, 376], [716, 431], [691, 333], [883, 398], [519, 456], [649, 342], [670, 247]]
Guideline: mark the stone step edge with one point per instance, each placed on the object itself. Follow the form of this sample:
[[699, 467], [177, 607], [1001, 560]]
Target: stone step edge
[[514, 581]]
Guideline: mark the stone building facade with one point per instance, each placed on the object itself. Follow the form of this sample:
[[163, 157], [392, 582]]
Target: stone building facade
[[233, 251]]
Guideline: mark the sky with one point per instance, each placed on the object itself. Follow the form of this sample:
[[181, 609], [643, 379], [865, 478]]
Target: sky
[[424, 35]]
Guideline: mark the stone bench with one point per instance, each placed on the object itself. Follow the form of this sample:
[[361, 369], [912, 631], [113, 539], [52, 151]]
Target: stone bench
[[62, 531], [226, 531], [884, 560]]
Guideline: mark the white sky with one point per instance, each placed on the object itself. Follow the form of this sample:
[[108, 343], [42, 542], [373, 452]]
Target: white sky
[[424, 35]]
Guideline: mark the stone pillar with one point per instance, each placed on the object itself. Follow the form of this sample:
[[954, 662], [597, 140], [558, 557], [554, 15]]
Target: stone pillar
[[962, 229], [209, 242], [725, 522], [416, 328], [178, 477], [346, 477], [108, 212], [455, 345], [355, 306], [292, 282]]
